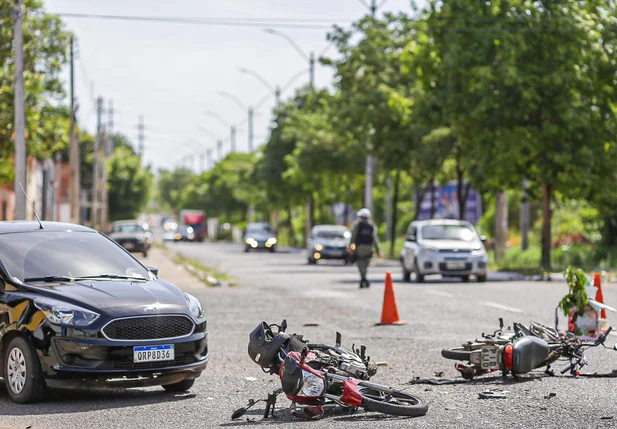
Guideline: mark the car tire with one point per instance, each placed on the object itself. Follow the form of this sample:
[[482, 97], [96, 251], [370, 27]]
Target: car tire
[[181, 386], [419, 276], [406, 275], [465, 279], [247, 249], [145, 253], [20, 356], [481, 279], [312, 261], [272, 249]]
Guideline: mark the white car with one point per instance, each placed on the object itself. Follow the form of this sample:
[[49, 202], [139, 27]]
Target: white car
[[451, 248]]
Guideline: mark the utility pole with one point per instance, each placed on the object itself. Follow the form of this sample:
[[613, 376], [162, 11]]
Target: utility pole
[[202, 162], [312, 69], [219, 150], [277, 96], [233, 138], [209, 158], [110, 117], [140, 137], [524, 220], [20, 118], [94, 208], [74, 157], [251, 113], [105, 152]]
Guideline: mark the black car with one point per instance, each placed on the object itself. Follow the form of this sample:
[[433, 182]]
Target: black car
[[132, 235], [78, 310], [259, 236]]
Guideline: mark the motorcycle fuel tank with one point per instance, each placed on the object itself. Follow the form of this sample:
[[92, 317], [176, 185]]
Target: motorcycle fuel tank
[[528, 353]]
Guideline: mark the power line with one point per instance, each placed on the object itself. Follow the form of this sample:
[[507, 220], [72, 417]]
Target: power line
[[198, 21]]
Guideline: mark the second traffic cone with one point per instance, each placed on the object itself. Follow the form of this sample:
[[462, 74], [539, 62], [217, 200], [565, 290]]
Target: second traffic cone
[[389, 313], [597, 283]]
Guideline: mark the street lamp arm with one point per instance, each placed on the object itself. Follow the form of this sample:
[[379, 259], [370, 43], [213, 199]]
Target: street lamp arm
[[233, 98], [218, 117], [293, 79], [257, 76], [207, 131], [290, 40]]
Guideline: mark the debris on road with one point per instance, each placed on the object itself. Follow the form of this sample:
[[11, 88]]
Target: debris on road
[[311, 324], [438, 381], [439, 373], [550, 395], [251, 379], [606, 417], [493, 394], [382, 364]]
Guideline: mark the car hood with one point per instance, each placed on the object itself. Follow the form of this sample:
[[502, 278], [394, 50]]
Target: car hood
[[260, 236], [452, 244], [119, 294], [334, 242]]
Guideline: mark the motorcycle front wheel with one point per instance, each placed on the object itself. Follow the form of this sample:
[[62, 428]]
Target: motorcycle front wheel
[[456, 353], [395, 403]]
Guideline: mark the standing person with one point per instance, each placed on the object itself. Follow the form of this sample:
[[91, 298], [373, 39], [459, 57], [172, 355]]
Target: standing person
[[363, 239]]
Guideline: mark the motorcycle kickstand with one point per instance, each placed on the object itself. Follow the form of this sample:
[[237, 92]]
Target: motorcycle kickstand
[[271, 403]]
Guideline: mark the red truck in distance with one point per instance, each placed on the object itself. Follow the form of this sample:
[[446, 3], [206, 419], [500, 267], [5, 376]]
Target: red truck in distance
[[196, 219]]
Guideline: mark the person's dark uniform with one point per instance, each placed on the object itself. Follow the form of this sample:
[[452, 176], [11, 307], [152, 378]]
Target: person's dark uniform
[[363, 239]]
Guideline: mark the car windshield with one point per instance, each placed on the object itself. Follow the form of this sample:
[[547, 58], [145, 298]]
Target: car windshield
[[332, 234], [39, 254], [447, 232], [128, 228]]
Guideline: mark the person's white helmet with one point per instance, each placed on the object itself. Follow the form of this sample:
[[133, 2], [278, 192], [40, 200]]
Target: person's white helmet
[[364, 213]]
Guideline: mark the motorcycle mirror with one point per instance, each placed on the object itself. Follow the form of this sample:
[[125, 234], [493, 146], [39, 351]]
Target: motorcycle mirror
[[501, 323], [283, 325], [362, 351], [238, 413], [339, 339]]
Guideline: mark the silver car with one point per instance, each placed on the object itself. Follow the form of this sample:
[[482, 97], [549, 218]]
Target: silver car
[[451, 248]]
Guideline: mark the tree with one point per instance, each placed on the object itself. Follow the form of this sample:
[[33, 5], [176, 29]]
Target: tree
[[128, 184], [45, 54], [171, 185]]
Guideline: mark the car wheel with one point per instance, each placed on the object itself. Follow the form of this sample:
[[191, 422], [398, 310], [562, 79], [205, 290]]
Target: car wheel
[[465, 279], [419, 276], [312, 261], [272, 249], [181, 386], [406, 275], [23, 375], [482, 279], [145, 253], [247, 249]]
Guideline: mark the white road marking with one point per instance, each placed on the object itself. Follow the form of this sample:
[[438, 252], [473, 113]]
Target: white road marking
[[502, 307], [440, 293]]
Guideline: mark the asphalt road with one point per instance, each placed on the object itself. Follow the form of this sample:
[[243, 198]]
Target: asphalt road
[[281, 285]]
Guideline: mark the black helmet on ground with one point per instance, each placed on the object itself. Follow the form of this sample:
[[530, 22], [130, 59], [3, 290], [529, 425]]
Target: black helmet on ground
[[264, 344]]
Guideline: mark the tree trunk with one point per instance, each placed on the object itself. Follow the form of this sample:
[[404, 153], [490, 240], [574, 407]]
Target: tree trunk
[[290, 230], [397, 179], [501, 225], [420, 193], [310, 217], [433, 207], [547, 197]]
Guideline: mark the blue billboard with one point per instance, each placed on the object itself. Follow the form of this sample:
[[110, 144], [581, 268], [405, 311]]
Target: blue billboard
[[446, 204]]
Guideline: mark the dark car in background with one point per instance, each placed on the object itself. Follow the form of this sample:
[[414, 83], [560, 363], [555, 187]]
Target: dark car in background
[[259, 236], [78, 311], [133, 235], [329, 242]]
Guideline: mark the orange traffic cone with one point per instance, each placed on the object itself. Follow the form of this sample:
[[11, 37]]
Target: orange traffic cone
[[389, 313], [599, 297]]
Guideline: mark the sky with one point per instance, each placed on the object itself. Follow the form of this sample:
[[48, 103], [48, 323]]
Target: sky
[[172, 73]]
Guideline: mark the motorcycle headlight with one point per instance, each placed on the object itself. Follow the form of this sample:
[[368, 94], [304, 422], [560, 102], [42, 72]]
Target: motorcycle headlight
[[312, 387], [194, 306], [60, 313]]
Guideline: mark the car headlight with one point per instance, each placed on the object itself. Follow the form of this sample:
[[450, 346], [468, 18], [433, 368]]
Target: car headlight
[[430, 249], [271, 240], [61, 313], [478, 251], [318, 247], [194, 306]]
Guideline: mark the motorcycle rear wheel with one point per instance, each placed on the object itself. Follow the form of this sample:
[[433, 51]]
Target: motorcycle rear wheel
[[456, 353], [395, 404]]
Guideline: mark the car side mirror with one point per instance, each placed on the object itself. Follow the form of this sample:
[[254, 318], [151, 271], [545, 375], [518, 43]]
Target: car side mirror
[[152, 269], [411, 238], [483, 239]]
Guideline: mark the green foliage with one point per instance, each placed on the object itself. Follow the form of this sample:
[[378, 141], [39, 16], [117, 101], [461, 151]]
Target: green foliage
[[577, 295], [129, 184], [45, 54], [171, 185]]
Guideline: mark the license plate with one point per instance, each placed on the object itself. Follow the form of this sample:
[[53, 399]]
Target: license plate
[[129, 246], [455, 265], [489, 358], [153, 353]]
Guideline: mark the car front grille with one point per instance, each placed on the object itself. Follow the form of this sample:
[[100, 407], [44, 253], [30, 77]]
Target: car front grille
[[130, 365], [149, 328], [462, 251]]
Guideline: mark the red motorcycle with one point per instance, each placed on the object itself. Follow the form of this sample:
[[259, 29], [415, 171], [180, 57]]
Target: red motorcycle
[[313, 375]]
